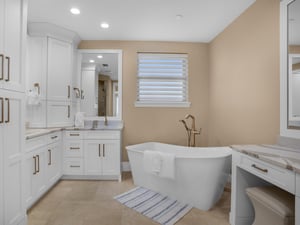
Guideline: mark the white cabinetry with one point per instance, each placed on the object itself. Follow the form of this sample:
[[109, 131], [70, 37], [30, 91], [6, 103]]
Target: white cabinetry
[[92, 154], [73, 153], [11, 148], [12, 30], [49, 71], [102, 157], [13, 25], [42, 165], [59, 70]]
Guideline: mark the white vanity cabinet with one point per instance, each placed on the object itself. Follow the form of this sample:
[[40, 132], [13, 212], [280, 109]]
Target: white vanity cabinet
[[73, 153], [102, 153], [49, 72], [12, 30], [92, 154], [101, 157], [59, 77], [12, 209], [42, 165], [54, 158]]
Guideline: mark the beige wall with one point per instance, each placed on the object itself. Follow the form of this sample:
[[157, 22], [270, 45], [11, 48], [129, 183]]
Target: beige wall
[[244, 78], [160, 124], [294, 49], [233, 84]]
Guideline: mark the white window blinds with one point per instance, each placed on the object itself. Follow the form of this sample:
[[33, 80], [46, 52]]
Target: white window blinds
[[162, 80]]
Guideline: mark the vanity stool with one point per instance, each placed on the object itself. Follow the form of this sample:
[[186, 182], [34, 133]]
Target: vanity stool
[[272, 206]]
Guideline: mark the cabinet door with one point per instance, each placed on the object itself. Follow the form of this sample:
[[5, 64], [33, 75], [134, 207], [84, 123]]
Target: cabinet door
[[111, 157], [36, 114], [13, 44], [1, 168], [92, 157], [36, 62], [59, 70], [53, 163], [59, 114], [13, 143], [33, 180]]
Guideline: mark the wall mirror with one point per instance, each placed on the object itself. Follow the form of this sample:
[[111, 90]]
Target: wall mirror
[[293, 67], [101, 83]]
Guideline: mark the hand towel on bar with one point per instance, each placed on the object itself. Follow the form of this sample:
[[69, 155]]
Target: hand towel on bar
[[152, 162], [79, 119], [160, 164], [33, 97], [168, 165]]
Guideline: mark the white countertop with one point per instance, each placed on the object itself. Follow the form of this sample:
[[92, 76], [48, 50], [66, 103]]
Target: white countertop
[[288, 158], [36, 132]]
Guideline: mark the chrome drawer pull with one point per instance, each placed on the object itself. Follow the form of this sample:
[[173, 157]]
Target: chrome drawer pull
[[258, 168], [74, 148], [74, 134], [53, 137], [74, 166]]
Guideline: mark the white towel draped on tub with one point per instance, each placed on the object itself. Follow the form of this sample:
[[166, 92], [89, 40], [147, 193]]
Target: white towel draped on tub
[[160, 164]]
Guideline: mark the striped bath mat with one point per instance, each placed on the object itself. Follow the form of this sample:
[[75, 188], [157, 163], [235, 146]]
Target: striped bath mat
[[157, 207]]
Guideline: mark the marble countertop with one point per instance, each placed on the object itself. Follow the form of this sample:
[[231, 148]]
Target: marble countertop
[[288, 158], [36, 132]]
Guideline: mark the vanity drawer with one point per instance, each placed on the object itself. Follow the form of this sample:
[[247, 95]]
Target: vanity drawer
[[35, 143], [54, 137], [105, 135], [73, 166], [278, 176], [74, 134], [73, 148]]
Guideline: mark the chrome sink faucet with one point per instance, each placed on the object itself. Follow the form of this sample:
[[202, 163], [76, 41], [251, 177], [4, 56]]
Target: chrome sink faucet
[[191, 132]]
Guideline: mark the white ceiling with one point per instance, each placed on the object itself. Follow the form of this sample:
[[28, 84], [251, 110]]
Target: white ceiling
[[153, 20]]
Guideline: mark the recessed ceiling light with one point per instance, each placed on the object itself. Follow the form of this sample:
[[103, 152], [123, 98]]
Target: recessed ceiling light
[[92, 61], [100, 56], [179, 17], [104, 25], [75, 11]]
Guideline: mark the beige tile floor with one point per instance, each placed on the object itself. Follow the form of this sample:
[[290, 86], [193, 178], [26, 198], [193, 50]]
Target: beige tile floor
[[92, 203]]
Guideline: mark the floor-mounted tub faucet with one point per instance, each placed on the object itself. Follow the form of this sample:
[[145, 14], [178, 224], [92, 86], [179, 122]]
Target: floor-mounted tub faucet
[[191, 132]]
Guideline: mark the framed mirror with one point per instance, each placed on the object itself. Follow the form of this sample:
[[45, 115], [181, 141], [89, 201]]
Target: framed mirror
[[293, 70], [101, 83]]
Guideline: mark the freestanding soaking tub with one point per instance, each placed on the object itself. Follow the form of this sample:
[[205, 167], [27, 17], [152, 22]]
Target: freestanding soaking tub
[[200, 172]]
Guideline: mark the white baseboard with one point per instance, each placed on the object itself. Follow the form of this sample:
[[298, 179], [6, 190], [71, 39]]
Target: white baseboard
[[126, 167]]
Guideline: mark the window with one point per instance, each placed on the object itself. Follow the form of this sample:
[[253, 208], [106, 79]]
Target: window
[[162, 80]]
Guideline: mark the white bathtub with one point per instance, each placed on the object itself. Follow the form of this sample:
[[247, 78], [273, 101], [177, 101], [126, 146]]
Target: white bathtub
[[200, 172]]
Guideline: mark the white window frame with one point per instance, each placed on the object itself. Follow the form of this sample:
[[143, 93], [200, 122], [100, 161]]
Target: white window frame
[[166, 77]]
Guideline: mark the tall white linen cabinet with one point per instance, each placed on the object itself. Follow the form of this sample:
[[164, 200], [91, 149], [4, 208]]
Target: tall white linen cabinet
[[13, 28]]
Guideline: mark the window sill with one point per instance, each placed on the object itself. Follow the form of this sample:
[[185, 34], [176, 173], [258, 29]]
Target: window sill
[[163, 104]]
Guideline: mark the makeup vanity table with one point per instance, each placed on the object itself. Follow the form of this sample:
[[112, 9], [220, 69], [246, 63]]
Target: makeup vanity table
[[262, 165], [278, 165]]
